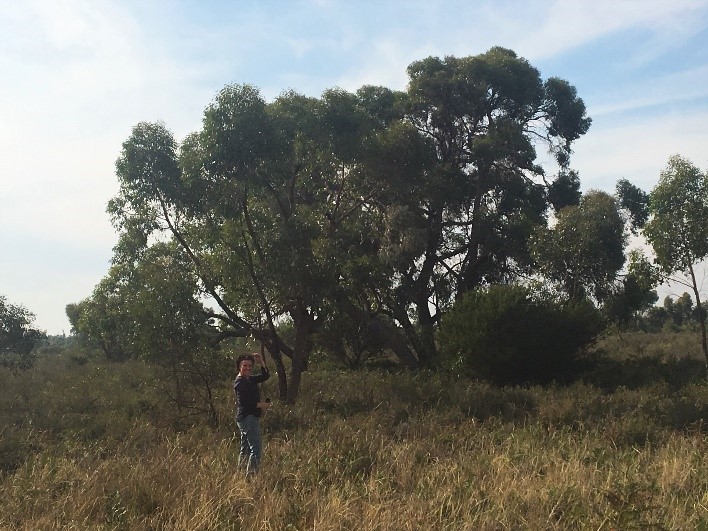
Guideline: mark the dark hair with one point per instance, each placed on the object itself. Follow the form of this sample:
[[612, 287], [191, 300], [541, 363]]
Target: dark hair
[[244, 357]]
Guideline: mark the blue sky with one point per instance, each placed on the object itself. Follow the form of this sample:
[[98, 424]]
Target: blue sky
[[78, 74]]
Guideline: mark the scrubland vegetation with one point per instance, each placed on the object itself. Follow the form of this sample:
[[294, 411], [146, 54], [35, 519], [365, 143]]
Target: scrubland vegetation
[[88, 444], [417, 225]]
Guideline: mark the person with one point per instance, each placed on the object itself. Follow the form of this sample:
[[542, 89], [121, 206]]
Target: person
[[249, 409]]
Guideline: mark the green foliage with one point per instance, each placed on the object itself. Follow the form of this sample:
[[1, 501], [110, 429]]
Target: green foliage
[[566, 114], [682, 310], [483, 198], [99, 322], [565, 190], [673, 315], [635, 295], [266, 204], [352, 207], [505, 335], [150, 310], [18, 338]]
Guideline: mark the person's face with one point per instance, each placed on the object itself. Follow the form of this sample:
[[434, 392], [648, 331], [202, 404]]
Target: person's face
[[246, 368]]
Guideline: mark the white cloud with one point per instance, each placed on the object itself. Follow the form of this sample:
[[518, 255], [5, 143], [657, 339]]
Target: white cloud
[[677, 87], [388, 70], [639, 149], [571, 23], [67, 106]]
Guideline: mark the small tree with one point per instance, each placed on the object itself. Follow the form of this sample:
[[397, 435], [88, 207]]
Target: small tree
[[678, 228], [149, 309], [683, 311], [584, 251], [17, 336], [634, 294]]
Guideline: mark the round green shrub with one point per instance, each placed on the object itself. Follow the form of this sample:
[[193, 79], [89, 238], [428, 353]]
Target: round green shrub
[[506, 335]]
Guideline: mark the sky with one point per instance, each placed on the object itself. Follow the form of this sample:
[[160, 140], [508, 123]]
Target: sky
[[77, 75]]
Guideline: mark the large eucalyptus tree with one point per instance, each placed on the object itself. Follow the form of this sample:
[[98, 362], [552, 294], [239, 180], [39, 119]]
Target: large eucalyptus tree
[[472, 214]]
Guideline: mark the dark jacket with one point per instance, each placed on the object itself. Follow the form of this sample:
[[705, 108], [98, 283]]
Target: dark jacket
[[248, 394]]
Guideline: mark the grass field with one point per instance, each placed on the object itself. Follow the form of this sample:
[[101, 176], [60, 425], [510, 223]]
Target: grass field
[[92, 445]]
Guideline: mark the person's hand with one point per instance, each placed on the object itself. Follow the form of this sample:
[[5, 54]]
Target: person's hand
[[259, 358], [263, 405]]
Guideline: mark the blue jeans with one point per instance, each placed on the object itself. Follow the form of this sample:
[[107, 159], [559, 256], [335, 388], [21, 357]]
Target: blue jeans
[[251, 444]]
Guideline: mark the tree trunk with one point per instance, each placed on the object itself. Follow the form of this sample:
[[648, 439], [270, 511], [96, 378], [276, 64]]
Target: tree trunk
[[209, 394], [282, 377], [389, 337], [298, 367], [470, 271], [304, 327], [701, 316], [276, 347], [279, 370], [421, 299], [400, 314]]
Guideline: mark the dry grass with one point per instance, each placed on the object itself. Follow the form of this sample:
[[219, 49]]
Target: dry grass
[[365, 451]]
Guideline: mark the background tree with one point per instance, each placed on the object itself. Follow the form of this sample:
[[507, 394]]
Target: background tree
[[634, 295], [685, 310], [150, 310], [681, 310], [584, 251], [18, 337], [102, 322], [674, 315], [678, 227]]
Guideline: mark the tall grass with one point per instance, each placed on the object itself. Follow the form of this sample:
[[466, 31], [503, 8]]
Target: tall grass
[[96, 446]]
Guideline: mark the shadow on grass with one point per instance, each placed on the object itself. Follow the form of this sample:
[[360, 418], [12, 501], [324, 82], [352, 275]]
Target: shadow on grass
[[641, 371]]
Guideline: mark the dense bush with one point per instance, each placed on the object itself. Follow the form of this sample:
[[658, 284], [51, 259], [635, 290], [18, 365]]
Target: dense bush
[[507, 336]]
